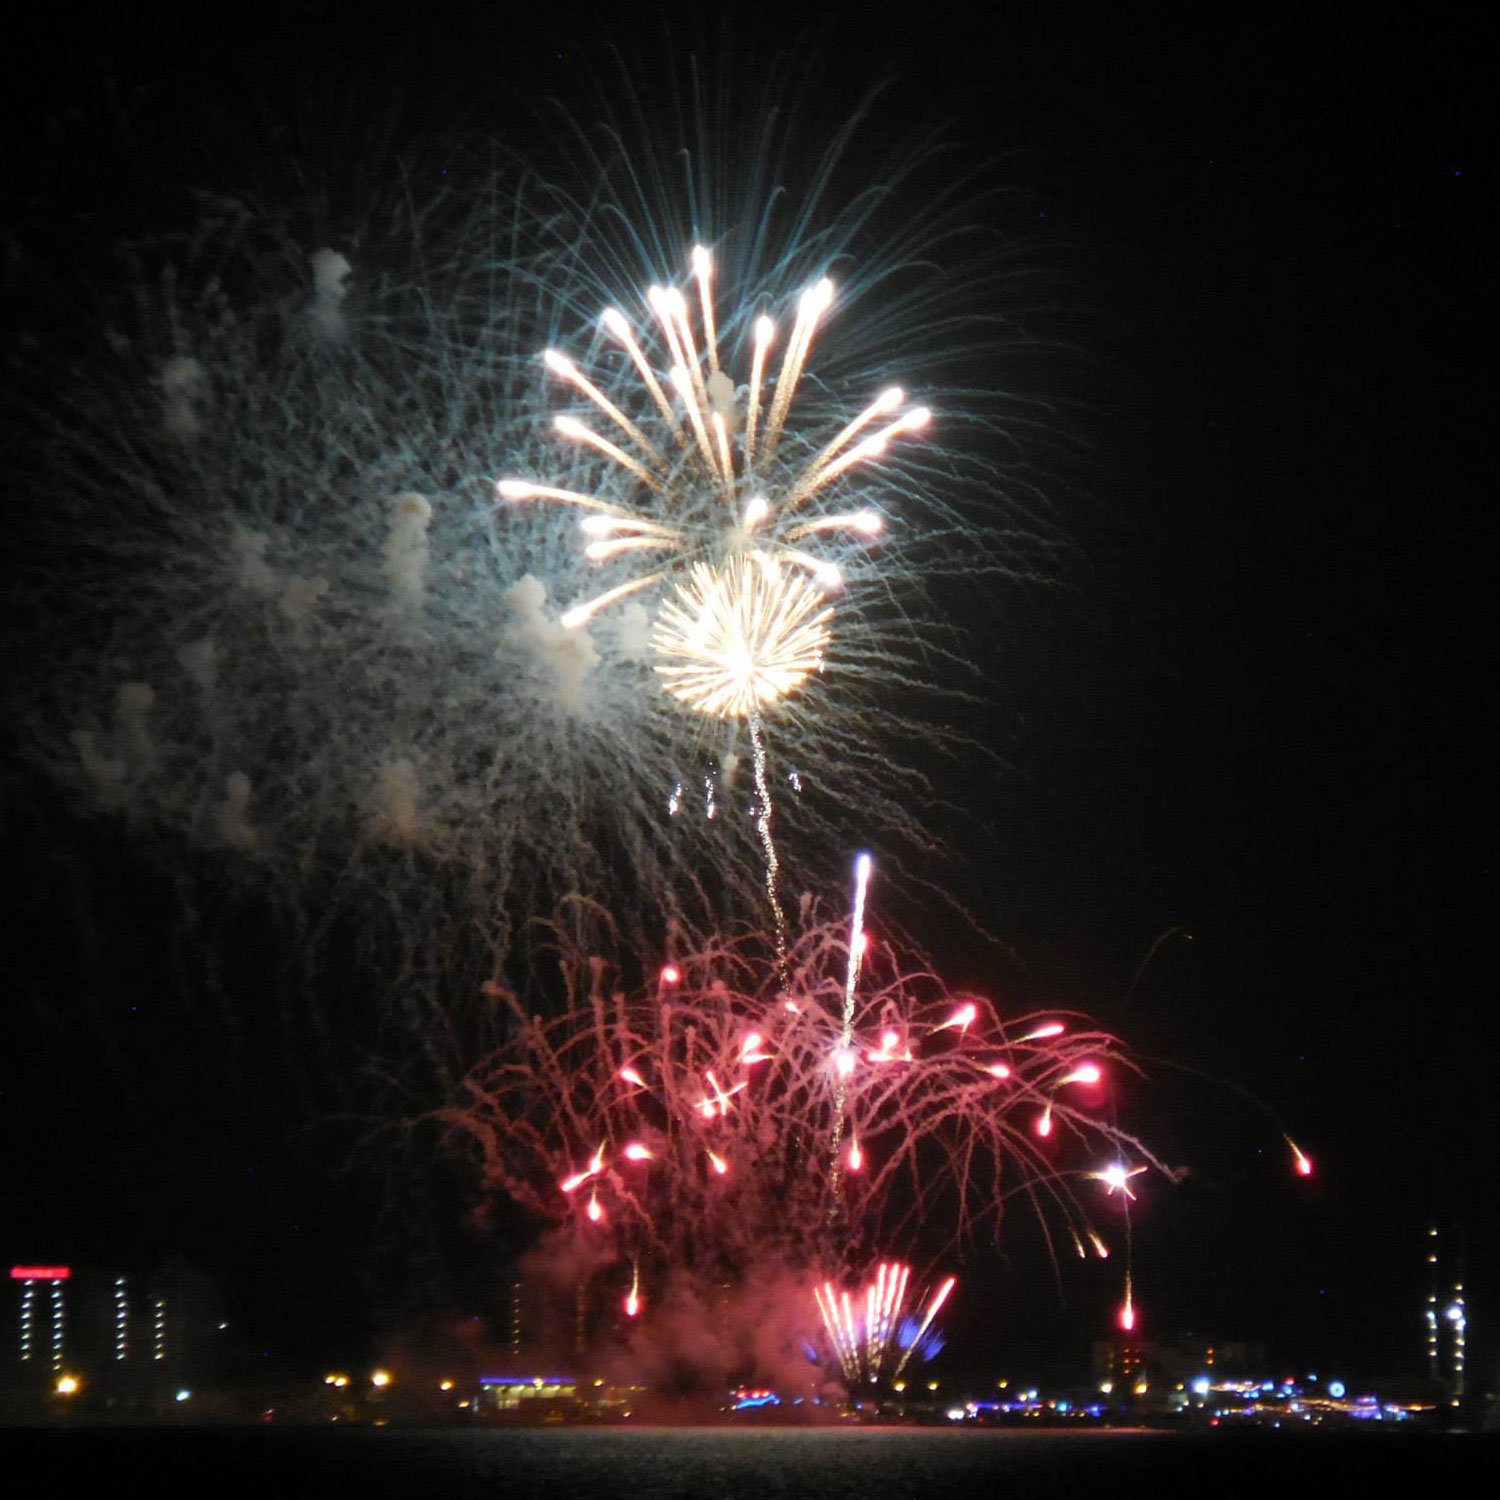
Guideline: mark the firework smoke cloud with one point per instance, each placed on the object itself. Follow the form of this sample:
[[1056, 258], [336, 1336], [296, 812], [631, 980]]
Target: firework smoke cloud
[[290, 625]]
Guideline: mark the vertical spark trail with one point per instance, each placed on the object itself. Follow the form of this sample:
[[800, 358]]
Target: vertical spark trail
[[856, 941], [763, 826], [851, 980]]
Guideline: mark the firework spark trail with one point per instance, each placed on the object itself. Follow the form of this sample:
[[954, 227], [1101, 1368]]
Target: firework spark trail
[[1126, 1316], [764, 812], [862, 867]]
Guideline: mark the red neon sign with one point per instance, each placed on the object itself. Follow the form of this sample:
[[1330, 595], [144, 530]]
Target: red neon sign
[[40, 1273]]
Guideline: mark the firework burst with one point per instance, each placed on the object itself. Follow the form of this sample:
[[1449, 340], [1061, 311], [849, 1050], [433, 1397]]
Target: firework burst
[[872, 1332], [708, 492], [685, 1127], [739, 636], [287, 636]]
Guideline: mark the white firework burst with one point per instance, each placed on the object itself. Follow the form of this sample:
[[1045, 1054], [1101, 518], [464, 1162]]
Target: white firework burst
[[709, 494], [739, 636], [282, 629]]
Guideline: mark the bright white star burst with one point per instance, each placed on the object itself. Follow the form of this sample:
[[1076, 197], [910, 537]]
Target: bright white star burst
[[1116, 1177], [739, 636], [695, 483]]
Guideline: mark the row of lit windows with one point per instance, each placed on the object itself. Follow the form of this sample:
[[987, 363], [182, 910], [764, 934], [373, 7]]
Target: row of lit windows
[[58, 1322]]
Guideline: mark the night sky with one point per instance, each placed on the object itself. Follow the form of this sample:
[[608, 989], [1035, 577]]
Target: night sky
[[1252, 726]]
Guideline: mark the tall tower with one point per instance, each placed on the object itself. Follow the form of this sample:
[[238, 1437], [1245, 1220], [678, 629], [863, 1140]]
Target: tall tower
[[1446, 1316]]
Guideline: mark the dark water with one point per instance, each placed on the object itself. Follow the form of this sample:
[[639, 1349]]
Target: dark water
[[716, 1464]]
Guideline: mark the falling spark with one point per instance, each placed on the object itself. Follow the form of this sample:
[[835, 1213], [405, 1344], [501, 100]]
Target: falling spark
[[1088, 1073], [1051, 1029], [889, 1042], [1301, 1162], [571, 1184], [750, 1051], [960, 1020]]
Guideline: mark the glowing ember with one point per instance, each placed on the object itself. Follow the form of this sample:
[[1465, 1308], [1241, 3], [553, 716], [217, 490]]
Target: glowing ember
[[1301, 1162]]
